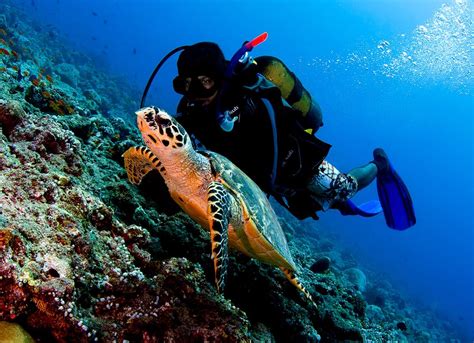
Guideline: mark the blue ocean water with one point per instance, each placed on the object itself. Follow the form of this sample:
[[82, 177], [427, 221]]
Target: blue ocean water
[[396, 74]]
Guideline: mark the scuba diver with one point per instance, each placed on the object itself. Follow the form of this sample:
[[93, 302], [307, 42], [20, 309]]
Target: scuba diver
[[257, 113]]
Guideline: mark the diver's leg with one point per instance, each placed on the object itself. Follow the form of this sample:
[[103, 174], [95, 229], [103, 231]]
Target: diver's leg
[[364, 175], [329, 185]]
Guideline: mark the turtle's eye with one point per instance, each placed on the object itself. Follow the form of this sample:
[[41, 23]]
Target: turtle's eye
[[163, 121]]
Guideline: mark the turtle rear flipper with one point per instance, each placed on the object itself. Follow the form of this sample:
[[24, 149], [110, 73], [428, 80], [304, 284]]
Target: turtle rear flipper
[[139, 161], [218, 209], [290, 275]]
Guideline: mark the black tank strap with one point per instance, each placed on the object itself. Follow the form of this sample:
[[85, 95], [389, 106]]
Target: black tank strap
[[296, 92], [271, 116]]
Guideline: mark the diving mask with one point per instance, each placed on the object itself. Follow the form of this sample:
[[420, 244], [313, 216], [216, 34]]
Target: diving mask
[[195, 87]]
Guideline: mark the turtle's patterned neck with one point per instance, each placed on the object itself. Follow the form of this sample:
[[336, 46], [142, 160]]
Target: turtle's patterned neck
[[186, 170]]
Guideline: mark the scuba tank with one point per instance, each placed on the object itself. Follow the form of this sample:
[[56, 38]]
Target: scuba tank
[[292, 91]]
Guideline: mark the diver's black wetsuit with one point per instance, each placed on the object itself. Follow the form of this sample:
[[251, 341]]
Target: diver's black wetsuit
[[250, 144]]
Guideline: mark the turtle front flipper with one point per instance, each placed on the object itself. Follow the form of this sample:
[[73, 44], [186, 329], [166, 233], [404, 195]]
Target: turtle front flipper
[[139, 161], [290, 275], [218, 210]]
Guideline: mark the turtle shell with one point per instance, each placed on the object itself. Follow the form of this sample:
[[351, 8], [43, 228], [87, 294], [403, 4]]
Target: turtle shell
[[256, 202]]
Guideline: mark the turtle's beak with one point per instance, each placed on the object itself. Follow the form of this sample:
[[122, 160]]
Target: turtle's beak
[[141, 112], [142, 115]]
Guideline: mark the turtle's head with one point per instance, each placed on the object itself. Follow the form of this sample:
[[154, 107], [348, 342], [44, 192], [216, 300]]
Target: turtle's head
[[162, 133]]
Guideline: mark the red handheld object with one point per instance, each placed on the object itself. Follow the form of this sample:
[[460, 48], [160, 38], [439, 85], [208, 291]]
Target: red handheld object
[[256, 41]]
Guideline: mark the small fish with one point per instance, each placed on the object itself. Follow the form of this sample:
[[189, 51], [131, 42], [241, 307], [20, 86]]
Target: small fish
[[4, 52], [14, 53], [3, 32], [49, 78], [105, 21], [94, 14], [93, 38], [134, 51], [19, 75]]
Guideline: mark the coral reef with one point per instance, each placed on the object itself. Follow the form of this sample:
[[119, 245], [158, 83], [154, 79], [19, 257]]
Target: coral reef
[[356, 278], [321, 265], [86, 256]]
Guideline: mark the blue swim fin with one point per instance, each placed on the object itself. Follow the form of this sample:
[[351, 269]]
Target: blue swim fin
[[367, 209], [393, 194]]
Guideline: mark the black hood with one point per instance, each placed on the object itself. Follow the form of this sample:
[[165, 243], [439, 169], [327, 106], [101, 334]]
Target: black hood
[[204, 58]]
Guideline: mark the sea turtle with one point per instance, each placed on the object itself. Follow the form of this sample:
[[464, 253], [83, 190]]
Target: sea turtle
[[214, 192]]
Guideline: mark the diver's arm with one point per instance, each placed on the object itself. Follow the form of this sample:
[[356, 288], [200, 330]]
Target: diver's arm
[[181, 109]]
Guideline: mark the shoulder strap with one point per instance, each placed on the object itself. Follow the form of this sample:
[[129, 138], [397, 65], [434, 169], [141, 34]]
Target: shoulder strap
[[271, 116]]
